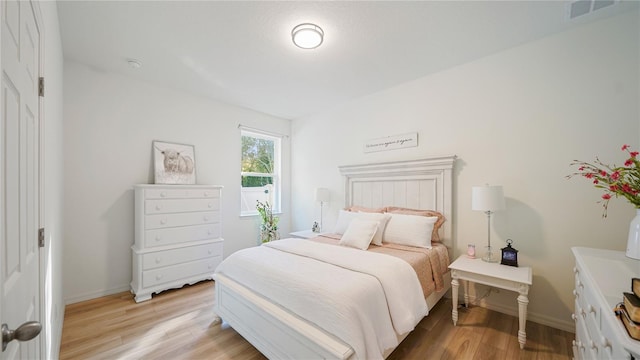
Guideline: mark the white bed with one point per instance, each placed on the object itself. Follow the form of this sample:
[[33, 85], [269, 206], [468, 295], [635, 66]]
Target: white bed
[[281, 334]]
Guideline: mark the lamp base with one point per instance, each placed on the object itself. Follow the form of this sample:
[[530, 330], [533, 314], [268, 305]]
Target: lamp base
[[489, 256]]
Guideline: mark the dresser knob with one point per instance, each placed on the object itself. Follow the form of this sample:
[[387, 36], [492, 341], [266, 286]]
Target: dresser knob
[[574, 317], [605, 342], [592, 344], [210, 205], [158, 260], [158, 238], [582, 312], [575, 270], [210, 252], [575, 293], [206, 219], [163, 194], [209, 232], [163, 221], [591, 309], [158, 207], [206, 193], [158, 277]]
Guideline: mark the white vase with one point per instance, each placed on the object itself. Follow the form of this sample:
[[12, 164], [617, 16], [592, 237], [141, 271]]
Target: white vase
[[633, 243]]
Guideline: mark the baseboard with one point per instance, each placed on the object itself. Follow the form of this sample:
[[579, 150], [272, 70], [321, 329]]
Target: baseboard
[[96, 294], [568, 325]]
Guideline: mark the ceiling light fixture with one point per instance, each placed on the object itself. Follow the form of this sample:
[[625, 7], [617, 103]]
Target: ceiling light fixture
[[307, 36]]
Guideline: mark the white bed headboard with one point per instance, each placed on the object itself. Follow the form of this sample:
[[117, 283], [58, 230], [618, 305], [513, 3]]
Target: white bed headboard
[[425, 184]]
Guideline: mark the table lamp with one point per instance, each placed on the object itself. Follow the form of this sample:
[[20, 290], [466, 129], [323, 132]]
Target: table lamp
[[488, 199], [323, 196]]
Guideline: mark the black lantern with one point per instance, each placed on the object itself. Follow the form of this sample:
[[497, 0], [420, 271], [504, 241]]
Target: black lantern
[[509, 255]]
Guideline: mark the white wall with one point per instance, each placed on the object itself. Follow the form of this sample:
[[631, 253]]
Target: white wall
[[110, 123], [53, 178], [517, 118]]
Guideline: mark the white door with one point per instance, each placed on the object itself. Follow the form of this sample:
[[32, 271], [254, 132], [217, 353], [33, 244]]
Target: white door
[[19, 178]]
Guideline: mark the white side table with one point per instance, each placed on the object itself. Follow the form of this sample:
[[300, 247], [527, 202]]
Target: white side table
[[517, 279], [304, 234]]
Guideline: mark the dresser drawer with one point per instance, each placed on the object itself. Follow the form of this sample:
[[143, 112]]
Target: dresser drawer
[[161, 237], [609, 343], [587, 298], [180, 219], [584, 344], [180, 205], [181, 193], [182, 255], [181, 271]]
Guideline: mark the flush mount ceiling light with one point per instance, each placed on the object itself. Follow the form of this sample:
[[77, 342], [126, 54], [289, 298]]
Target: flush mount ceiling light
[[307, 36]]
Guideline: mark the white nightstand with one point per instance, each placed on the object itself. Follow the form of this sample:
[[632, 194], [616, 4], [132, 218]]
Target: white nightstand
[[517, 279], [304, 234]]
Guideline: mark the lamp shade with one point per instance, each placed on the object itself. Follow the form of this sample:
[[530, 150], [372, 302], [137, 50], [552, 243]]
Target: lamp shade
[[487, 198], [322, 194]]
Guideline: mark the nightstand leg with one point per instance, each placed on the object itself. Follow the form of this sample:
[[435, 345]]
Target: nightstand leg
[[465, 288], [454, 300], [523, 301]]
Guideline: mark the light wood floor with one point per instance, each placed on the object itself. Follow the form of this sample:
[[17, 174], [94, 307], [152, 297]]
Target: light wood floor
[[179, 324]]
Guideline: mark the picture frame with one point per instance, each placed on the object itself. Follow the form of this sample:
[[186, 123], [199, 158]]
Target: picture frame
[[174, 163]]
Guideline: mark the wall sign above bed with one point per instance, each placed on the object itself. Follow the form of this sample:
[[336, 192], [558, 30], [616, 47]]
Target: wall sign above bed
[[391, 142]]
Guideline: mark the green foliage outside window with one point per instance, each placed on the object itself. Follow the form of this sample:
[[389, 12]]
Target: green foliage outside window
[[257, 157]]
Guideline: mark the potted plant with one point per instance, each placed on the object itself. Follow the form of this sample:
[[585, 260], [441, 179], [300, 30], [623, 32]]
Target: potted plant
[[269, 223]]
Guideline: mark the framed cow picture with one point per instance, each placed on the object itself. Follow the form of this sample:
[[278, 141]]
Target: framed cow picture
[[174, 163]]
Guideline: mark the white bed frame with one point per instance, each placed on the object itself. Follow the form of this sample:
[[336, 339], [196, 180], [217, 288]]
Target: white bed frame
[[279, 334]]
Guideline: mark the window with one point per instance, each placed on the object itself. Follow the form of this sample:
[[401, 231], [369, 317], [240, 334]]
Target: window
[[260, 171]]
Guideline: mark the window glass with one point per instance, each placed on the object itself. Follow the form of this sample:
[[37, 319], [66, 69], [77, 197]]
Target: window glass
[[260, 171]]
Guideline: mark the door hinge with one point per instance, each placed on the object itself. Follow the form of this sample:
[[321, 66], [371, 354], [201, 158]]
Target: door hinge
[[41, 237], [41, 87]]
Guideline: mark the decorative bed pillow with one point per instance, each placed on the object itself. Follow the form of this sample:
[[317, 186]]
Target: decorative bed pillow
[[411, 230], [435, 236], [359, 233], [345, 218]]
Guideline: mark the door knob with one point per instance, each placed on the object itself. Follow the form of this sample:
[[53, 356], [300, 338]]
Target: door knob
[[24, 332]]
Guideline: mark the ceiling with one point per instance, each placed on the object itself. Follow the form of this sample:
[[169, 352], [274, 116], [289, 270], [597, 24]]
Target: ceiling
[[241, 52]]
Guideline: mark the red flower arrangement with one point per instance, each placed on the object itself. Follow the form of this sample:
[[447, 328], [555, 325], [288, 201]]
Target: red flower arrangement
[[615, 180]]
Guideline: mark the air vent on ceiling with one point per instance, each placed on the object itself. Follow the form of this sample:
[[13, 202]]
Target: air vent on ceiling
[[583, 7]]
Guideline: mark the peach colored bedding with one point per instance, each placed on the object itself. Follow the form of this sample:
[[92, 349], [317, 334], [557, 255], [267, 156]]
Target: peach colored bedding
[[429, 264]]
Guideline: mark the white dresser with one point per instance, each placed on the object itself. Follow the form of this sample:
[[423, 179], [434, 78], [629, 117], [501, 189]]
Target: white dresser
[[178, 236], [601, 276]]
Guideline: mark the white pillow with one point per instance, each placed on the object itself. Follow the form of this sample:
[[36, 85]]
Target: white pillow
[[410, 230], [359, 233], [345, 217]]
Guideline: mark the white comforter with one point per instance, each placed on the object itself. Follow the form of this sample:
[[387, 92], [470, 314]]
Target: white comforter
[[365, 299]]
